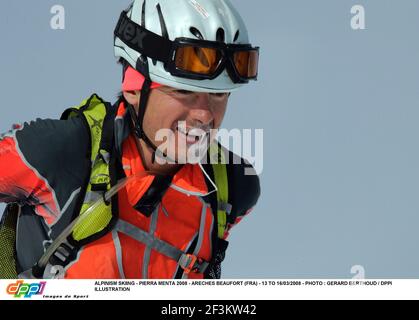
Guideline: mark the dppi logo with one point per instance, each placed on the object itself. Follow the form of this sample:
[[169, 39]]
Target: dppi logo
[[19, 289]]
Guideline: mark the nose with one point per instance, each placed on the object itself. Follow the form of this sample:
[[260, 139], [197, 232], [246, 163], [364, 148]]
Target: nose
[[202, 112]]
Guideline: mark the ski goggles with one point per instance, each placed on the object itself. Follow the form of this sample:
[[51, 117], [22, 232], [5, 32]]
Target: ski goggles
[[191, 58], [199, 59]]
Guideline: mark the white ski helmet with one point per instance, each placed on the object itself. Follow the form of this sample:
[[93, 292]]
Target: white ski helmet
[[215, 21]]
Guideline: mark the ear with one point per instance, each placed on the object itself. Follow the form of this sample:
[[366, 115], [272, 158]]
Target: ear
[[132, 97]]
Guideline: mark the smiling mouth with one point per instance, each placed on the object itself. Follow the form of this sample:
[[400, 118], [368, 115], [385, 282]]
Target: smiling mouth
[[193, 135]]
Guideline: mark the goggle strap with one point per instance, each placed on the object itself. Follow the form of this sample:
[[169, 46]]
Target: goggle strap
[[142, 40]]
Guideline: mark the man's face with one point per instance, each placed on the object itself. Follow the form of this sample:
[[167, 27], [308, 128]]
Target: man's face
[[187, 116]]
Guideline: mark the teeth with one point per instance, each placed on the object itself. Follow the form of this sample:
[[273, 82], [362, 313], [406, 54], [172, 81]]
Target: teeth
[[197, 133], [182, 131]]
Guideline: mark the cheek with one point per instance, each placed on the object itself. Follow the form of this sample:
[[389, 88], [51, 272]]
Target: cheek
[[161, 114]]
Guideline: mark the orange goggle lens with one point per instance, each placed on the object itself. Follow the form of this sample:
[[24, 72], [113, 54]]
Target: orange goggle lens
[[197, 59], [247, 63]]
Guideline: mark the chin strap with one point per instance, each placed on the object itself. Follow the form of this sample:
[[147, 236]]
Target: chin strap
[[138, 120]]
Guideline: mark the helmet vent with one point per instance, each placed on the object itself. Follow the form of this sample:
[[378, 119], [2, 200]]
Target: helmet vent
[[129, 9], [162, 23], [196, 33], [143, 15], [220, 35], [237, 35]]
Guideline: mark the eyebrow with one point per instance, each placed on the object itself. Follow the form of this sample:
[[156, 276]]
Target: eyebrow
[[170, 89]]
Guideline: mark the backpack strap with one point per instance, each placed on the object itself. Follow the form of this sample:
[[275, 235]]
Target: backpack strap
[[99, 118], [219, 168], [216, 167]]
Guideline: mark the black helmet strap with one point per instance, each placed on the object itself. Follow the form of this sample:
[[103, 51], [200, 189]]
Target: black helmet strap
[[138, 120]]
